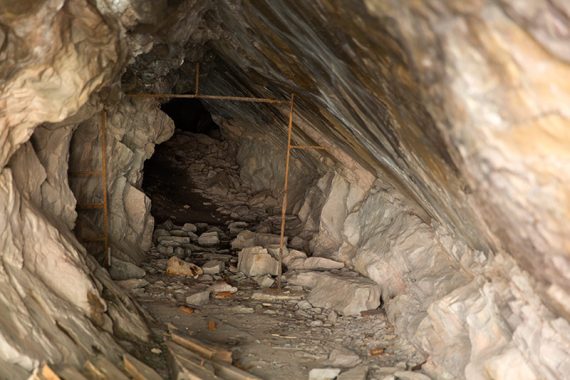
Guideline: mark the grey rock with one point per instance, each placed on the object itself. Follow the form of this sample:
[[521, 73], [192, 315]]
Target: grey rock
[[168, 239], [213, 267], [343, 357], [409, 375], [133, 283], [324, 373], [209, 239], [199, 298], [264, 281], [123, 270], [189, 227]]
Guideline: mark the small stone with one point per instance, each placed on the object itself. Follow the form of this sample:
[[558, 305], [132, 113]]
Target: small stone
[[240, 310], [332, 317], [189, 227], [156, 351], [324, 373], [213, 267], [256, 261], [343, 357], [316, 323], [304, 305], [264, 281], [222, 286], [199, 298], [209, 239], [123, 270], [236, 227], [178, 267], [179, 252]]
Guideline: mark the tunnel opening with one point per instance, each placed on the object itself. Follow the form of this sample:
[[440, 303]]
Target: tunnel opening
[[175, 175]]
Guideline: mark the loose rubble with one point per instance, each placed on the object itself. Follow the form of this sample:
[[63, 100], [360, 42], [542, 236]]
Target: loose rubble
[[221, 287]]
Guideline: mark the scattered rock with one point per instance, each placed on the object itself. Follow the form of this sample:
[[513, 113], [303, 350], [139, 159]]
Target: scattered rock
[[256, 261], [213, 267], [344, 358], [324, 373], [173, 240], [166, 250], [189, 227], [134, 283], [236, 227], [209, 239], [123, 270], [240, 309], [199, 298], [348, 295], [222, 286], [246, 239], [264, 281], [178, 267]]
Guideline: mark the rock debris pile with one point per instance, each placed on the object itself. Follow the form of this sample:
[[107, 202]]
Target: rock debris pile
[[325, 319]]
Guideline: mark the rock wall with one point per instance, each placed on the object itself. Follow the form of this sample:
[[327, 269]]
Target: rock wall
[[133, 128], [476, 316], [57, 304]]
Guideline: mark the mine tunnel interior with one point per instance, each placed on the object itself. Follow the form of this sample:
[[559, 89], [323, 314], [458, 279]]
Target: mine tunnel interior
[[353, 190]]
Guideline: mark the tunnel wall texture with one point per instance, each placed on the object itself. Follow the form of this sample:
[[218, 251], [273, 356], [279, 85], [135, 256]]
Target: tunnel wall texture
[[446, 179]]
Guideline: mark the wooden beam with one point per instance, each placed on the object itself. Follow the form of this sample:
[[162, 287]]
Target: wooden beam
[[211, 97]]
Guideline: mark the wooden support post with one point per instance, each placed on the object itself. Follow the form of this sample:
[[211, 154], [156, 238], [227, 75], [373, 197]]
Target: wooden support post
[[103, 143], [285, 191], [246, 99], [197, 80]]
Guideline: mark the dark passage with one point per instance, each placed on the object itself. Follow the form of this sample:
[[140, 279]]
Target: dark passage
[[166, 178], [190, 115]]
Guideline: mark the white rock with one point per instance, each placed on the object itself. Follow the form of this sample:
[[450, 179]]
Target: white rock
[[256, 261], [213, 267], [314, 263], [348, 295], [123, 270], [343, 357], [222, 286], [199, 298], [209, 239], [324, 373]]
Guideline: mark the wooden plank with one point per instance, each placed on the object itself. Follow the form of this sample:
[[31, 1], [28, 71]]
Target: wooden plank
[[138, 370], [70, 373], [205, 350], [102, 369], [187, 365]]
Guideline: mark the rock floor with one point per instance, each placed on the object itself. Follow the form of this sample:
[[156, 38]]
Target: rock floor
[[273, 334], [192, 283]]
